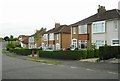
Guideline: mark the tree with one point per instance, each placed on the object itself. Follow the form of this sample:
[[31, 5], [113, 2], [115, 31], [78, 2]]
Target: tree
[[11, 38], [6, 38]]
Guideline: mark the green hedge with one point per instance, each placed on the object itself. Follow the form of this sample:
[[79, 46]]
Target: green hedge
[[23, 51], [107, 52], [73, 55]]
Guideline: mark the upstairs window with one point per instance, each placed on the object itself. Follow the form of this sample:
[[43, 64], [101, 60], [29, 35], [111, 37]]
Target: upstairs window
[[98, 27], [115, 25], [57, 37], [45, 36], [83, 29], [74, 30], [51, 36]]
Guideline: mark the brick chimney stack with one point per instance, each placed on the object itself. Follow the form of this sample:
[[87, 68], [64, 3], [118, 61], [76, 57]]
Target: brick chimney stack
[[101, 9], [57, 25]]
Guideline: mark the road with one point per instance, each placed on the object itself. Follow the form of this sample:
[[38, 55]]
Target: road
[[14, 68]]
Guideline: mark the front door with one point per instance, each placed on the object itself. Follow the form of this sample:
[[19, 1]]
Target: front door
[[74, 42]]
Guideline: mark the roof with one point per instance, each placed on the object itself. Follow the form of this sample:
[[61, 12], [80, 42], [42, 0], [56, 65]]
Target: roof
[[25, 41], [31, 35], [62, 29], [110, 14]]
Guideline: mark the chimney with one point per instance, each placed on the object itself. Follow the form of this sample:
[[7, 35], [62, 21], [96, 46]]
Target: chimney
[[101, 9], [57, 25]]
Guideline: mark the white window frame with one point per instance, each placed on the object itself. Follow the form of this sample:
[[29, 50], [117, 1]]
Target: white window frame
[[82, 27], [96, 29], [115, 24], [57, 36], [57, 46], [45, 37], [51, 36], [115, 44], [74, 30], [98, 45]]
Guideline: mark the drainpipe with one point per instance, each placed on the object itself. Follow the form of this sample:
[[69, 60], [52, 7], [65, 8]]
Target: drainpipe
[[71, 34]]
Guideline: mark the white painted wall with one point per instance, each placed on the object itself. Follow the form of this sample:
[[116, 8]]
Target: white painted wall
[[111, 33]]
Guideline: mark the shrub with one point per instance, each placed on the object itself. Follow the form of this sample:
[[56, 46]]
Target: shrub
[[96, 53], [23, 51], [73, 55], [90, 53], [107, 52]]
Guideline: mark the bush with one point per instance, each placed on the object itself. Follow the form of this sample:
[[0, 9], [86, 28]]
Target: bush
[[96, 53], [90, 53], [73, 55], [107, 52], [23, 51]]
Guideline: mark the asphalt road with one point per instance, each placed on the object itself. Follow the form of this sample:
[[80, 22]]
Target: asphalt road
[[14, 68]]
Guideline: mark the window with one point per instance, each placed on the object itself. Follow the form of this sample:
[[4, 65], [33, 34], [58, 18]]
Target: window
[[115, 25], [51, 36], [82, 43], [57, 46], [83, 29], [74, 30], [45, 37], [98, 27], [115, 42], [57, 38], [99, 43]]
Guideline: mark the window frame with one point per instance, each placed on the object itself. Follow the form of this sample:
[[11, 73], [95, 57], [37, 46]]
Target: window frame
[[96, 27], [83, 27], [74, 30], [51, 36], [117, 40]]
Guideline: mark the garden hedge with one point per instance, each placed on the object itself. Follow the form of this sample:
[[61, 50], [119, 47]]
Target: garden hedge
[[107, 52], [73, 55], [23, 51]]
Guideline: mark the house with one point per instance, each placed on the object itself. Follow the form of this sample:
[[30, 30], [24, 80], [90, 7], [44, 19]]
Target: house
[[23, 41], [99, 29], [31, 42], [57, 38], [1, 39]]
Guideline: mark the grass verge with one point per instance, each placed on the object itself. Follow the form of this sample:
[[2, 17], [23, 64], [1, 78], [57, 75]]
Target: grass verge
[[10, 55], [43, 61]]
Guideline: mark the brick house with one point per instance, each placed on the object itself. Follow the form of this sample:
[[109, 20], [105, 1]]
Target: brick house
[[23, 41], [57, 38], [99, 29]]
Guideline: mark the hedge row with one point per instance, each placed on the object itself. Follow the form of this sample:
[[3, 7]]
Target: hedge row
[[107, 52], [73, 55], [23, 51]]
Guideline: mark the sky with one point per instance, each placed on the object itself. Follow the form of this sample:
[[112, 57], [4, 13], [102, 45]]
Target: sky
[[24, 17]]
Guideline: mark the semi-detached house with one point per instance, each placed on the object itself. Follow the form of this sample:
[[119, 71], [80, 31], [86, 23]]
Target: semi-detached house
[[31, 42], [99, 29], [57, 38]]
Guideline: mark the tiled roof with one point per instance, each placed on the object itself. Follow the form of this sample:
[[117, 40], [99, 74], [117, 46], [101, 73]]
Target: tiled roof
[[110, 14], [25, 41], [61, 29]]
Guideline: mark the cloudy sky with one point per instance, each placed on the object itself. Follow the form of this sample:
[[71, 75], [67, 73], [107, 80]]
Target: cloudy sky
[[23, 17]]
